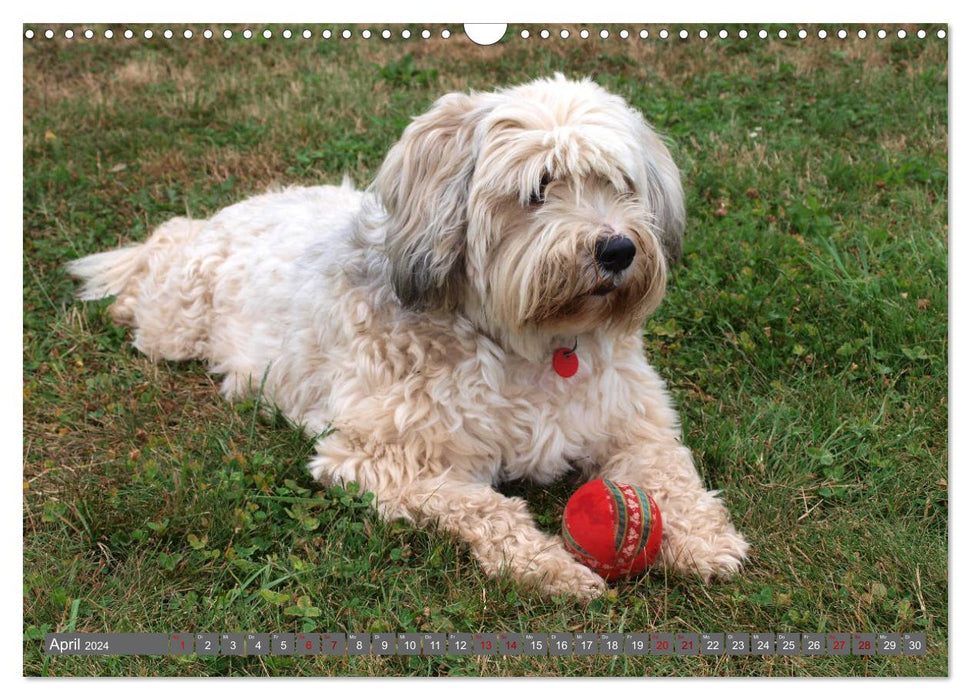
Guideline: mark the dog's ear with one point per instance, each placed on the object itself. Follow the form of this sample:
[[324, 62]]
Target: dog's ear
[[424, 187], [664, 195]]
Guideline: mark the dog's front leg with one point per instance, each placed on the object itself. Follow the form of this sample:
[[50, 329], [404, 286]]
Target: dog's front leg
[[500, 531], [698, 536], [503, 536]]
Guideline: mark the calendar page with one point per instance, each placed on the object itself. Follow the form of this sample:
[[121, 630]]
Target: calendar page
[[326, 325]]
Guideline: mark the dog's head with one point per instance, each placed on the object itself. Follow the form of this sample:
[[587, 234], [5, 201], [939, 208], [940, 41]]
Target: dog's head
[[549, 209]]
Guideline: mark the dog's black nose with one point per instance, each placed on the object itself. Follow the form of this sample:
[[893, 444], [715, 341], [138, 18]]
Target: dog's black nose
[[615, 253]]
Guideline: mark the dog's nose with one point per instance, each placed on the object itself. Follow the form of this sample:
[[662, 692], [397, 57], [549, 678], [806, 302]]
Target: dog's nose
[[615, 253]]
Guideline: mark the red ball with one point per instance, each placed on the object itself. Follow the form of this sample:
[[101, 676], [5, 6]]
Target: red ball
[[613, 528]]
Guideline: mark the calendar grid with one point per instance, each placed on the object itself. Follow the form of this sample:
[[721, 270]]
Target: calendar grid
[[497, 644]]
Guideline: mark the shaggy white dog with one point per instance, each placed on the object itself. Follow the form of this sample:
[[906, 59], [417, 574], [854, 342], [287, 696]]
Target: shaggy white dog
[[414, 326]]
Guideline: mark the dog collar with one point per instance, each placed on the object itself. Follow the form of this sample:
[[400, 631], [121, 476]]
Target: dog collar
[[565, 360]]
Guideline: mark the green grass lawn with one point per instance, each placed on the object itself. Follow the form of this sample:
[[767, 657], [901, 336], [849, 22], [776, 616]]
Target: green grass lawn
[[804, 339]]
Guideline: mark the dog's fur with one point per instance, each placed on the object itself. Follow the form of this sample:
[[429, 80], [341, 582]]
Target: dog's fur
[[413, 325]]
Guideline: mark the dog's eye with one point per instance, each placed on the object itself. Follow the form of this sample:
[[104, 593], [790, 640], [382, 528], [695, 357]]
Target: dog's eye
[[539, 196]]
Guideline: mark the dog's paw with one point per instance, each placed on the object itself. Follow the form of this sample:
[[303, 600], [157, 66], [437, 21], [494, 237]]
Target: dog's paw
[[714, 555], [556, 572], [578, 582]]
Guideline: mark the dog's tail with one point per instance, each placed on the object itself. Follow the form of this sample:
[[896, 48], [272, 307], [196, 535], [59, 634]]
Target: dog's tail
[[107, 274], [160, 288]]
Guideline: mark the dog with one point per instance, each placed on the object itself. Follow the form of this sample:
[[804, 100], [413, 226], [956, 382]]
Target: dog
[[414, 328]]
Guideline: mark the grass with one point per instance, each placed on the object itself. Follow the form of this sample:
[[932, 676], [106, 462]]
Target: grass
[[804, 340]]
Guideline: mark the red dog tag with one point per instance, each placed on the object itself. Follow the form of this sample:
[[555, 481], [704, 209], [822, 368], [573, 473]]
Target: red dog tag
[[565, 362]]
